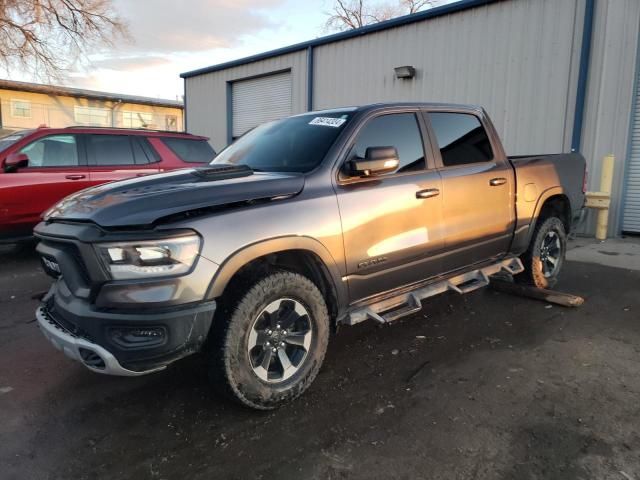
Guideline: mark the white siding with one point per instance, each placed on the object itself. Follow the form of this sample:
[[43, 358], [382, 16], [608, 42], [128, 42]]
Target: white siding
[[206, 95], [609, 97], [515, 58]]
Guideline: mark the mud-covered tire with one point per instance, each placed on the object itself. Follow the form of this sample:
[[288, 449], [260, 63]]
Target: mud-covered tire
[[231, 365], [537, 272]]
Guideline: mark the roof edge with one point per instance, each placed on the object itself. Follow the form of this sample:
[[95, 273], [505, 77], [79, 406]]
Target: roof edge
[[336, 37], [58, 90]]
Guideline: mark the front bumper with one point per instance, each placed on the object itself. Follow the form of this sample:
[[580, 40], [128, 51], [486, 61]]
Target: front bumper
[[91, 355], [119, 327], [95, 338]]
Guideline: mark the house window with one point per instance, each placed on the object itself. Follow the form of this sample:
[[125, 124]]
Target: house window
[[93, 116], [21, 108], [137, 119], [171, 123]]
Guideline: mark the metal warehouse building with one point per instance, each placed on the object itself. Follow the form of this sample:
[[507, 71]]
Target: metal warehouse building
[[554, 75]]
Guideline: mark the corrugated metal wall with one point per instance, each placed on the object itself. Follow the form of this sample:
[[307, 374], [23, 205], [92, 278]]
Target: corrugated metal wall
[[609, 95], [513, 57], [206, 95], [517, 58]]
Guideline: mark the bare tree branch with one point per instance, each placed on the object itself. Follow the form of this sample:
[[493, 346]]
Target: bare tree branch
[[48, 37], [351, 14], [413, 6]]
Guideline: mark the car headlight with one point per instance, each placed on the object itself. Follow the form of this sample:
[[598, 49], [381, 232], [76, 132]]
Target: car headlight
[[152, 258]]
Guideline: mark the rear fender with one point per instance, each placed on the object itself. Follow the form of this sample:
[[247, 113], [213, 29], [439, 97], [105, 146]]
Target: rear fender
[[523, 235]]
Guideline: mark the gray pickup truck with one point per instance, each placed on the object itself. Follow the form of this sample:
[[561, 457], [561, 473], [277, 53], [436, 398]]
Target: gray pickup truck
[[321, 219]]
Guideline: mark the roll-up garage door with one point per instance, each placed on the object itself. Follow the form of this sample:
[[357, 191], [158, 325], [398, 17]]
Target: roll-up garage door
[[260, 100], [631, 218]]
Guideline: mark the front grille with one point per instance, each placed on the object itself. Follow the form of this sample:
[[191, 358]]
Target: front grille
[[68, 251], [74, 252]]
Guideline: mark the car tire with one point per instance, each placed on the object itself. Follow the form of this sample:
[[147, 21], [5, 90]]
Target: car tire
[[268, 347], [544, 258]]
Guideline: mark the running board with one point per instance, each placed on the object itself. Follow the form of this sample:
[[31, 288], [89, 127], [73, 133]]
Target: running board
[[398, 306]]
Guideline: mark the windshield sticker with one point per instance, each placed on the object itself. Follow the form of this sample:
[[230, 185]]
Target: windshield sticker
[[328, 122]]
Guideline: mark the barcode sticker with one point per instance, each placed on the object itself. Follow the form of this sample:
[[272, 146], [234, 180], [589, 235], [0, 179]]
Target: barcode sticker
[[328, 122]]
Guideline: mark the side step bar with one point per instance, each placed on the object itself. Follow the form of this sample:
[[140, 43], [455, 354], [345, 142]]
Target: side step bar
[[393, 308]]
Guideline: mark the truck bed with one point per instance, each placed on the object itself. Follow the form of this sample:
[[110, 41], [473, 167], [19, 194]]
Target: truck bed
[[539, 177]]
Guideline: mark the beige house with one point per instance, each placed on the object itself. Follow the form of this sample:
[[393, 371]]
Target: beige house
[[29, 105]]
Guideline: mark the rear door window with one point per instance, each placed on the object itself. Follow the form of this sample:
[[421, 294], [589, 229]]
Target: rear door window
[[150, 153], [190, 150], [143, 152], [461, 138], [52, 151], [110, 150]]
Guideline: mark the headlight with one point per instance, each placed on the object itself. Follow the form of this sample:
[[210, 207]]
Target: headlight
[[153, 258]]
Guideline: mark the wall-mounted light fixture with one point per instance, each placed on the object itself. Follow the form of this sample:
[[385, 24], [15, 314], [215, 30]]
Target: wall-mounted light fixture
[[405, 72]]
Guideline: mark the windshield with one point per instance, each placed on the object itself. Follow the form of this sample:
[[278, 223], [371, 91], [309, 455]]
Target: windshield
[[294, 144], [8, 140]]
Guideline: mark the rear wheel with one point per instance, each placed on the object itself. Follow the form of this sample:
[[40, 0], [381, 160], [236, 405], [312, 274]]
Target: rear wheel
[[270, 346], [544, 258]]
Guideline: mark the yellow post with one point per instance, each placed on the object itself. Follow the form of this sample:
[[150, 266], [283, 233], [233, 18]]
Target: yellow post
[[606, 181]]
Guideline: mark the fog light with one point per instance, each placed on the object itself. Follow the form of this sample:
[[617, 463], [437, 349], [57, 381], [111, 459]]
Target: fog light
[[138, 337]]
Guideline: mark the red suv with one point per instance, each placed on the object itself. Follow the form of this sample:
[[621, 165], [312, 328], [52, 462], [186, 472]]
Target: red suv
[[40, 167]]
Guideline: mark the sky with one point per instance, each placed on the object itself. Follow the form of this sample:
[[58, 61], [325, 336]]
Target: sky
[[169, 37]]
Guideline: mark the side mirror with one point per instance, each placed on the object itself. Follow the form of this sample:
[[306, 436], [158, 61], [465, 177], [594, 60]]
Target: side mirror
[[15, 161], [377, 161]]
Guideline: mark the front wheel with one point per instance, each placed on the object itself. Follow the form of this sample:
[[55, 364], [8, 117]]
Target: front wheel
[[270, 347], [544, 258]]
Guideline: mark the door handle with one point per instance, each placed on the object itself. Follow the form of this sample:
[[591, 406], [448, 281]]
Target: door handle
[[75, 177], [428, 193], [494, 182]]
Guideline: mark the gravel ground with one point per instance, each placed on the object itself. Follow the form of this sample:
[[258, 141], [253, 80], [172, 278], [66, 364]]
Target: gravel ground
[[485, 386]]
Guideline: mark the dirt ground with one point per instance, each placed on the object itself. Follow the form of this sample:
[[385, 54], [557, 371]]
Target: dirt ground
[[485, 386]]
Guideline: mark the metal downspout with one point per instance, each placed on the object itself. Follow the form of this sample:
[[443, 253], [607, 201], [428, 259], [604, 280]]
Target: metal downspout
[[309, 78], [583, 74]]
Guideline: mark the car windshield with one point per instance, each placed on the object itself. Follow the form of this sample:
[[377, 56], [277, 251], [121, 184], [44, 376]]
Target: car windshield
[[8, 140], [294, 144]]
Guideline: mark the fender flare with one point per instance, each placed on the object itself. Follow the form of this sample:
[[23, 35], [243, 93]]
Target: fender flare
[[245, 255], [542, 199]]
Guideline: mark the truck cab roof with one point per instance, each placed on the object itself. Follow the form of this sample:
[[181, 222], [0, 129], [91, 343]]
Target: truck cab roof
[[392, 105]]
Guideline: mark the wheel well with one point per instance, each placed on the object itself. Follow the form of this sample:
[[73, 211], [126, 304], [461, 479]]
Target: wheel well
[[303, 262], [557, 206]]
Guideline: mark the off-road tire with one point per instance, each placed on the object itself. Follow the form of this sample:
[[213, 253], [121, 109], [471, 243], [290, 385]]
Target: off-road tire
[[230, 368], [533, 269]]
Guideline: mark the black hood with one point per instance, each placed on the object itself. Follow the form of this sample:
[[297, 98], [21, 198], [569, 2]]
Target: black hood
[[142, 201]]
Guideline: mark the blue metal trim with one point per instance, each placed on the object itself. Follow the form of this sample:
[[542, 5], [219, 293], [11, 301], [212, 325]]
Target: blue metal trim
[[627, 157], [184, 102], [583, 75], [229, 113], [376, 27], [309, 78]]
